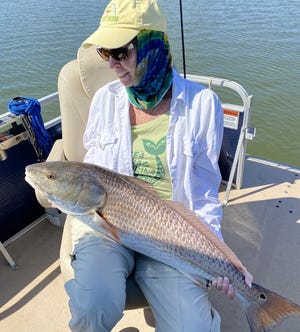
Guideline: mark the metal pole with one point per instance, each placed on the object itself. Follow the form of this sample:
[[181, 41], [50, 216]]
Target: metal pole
[[182, 39]]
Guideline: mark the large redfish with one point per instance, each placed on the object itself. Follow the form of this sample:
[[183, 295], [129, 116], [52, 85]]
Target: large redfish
[[129, 212]]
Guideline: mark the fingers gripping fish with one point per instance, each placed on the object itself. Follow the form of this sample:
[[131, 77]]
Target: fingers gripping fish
[[127, 211]]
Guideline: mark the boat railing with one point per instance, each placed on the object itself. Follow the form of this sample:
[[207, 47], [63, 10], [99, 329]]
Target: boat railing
[[236, 132], [49, 99], [12, 132]]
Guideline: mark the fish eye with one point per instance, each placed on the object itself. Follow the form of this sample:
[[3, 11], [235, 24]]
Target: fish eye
[[51, 176]]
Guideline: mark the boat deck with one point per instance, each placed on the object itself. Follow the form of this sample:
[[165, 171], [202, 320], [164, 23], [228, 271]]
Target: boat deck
[[261, 224]]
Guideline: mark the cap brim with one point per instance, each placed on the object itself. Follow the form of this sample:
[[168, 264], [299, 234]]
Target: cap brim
[[110, 37]]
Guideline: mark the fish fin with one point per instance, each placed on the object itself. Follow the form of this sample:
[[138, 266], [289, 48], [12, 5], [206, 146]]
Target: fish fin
[[141, 183], [204, 229], [269, 310], [109, 227], [201, 282]]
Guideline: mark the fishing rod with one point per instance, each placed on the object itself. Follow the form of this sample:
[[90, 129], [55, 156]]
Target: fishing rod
[[182, 39]]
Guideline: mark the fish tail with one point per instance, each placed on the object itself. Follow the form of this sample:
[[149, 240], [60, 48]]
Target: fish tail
[[269, 311]]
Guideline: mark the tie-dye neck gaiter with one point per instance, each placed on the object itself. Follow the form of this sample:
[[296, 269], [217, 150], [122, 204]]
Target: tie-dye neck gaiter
[[153, 75]]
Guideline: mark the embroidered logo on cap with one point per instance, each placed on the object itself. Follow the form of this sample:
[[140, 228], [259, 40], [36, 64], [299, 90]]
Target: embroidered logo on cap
[[110, 14]]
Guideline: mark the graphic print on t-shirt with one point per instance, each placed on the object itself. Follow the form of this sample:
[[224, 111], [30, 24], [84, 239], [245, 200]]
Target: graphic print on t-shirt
[[149, 155], [142, 163]]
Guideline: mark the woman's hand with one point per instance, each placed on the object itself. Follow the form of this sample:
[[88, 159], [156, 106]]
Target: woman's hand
[[223, 285]]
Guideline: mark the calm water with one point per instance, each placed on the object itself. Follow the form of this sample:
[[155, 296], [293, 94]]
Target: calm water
[[256, 43]]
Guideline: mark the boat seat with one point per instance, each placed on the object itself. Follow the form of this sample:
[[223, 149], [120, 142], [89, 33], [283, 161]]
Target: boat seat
[[78, 81]]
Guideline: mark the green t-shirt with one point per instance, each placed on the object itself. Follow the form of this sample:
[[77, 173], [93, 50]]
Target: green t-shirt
[[149, 154]]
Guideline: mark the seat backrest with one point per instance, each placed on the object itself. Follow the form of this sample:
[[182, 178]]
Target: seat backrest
[[78, 81]]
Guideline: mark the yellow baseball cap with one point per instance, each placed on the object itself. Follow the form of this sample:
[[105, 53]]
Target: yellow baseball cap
[[122, 20]]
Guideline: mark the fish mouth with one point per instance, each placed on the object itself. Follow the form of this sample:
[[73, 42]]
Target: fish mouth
[[35, 185]]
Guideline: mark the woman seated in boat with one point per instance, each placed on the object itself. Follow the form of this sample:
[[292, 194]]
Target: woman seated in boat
[[154, 125]]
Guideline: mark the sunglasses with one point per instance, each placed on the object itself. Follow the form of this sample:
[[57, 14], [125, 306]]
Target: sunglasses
[[119, 54]]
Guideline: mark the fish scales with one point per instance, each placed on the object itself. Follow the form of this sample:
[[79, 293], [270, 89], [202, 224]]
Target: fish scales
[[163, 227], [128, 211], [161, 224]]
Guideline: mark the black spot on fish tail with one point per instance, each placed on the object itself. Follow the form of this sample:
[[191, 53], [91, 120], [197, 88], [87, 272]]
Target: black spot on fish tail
[[269, 310]]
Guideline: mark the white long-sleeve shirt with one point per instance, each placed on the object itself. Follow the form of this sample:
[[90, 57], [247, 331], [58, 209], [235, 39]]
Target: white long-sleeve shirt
[[193, 142]]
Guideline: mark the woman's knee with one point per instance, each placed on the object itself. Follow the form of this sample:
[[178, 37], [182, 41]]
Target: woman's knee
[[94, 310], [97, 290]]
